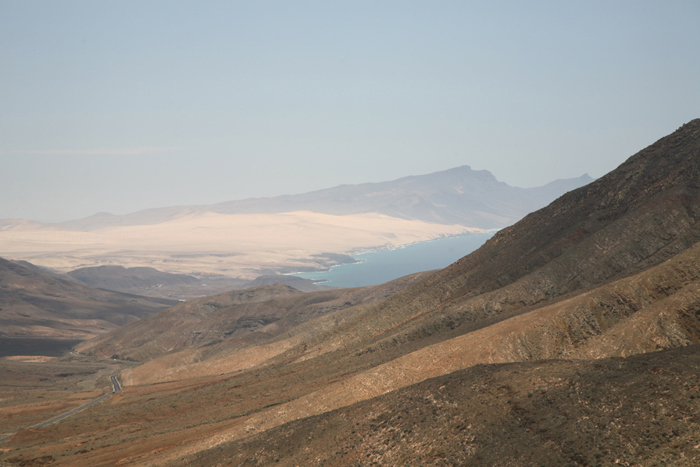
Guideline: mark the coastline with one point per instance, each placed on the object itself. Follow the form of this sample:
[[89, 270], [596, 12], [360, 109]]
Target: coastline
[[241, 246], [365, 251], [379, 266]]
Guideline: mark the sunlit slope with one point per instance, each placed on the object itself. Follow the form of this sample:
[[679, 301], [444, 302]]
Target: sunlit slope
[[636, 411]]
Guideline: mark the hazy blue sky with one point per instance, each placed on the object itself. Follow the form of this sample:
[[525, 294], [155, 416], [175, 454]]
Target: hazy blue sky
[[122, 105]]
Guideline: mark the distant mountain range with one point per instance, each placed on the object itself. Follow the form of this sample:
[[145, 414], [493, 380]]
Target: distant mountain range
[[473, 198]]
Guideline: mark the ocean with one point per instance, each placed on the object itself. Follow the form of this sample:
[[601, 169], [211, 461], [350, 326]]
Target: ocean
[[377, 267]]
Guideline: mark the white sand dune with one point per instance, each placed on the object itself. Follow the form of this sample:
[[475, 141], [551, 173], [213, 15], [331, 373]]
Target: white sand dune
[[238, 245]]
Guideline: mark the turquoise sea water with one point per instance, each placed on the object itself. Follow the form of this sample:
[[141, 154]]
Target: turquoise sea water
[[378, 267]]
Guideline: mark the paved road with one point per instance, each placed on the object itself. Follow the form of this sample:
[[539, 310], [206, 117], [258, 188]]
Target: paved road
[[116, 387]]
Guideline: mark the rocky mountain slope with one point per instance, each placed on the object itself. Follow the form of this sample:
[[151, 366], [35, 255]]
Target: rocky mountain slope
[[572, 412], [607, 271]]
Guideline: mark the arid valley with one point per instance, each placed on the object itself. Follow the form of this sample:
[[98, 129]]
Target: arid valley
[[349, 233], [571, 337]]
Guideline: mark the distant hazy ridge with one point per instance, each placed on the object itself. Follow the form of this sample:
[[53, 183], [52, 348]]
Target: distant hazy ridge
[[473, 198]]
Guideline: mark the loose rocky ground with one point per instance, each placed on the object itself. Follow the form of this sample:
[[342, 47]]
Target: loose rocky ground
[[642, 410]]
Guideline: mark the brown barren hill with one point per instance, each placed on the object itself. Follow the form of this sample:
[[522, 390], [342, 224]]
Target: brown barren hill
[[638, 411], [37, 304], [604, 272], [233, 319]]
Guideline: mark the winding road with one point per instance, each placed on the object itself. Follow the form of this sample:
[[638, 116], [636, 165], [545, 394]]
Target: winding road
[[116, 387]]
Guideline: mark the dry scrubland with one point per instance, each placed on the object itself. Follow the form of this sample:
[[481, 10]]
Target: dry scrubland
[[641, 411], [235, 245], [35, 389]]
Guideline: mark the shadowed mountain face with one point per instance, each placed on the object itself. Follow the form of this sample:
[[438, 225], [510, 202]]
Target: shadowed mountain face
[[151, 282], [121, 278], [456, 196], [154, 283], [609, 270], [33, 303], [50, 272]]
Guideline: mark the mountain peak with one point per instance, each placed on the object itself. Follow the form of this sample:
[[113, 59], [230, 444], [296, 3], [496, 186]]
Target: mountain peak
[[672, 161]]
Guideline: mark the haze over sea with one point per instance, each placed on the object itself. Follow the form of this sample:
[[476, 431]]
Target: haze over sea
[[377, 267]]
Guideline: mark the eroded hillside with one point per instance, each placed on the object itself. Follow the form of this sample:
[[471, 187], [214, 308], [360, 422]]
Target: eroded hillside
[[570, 412]]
